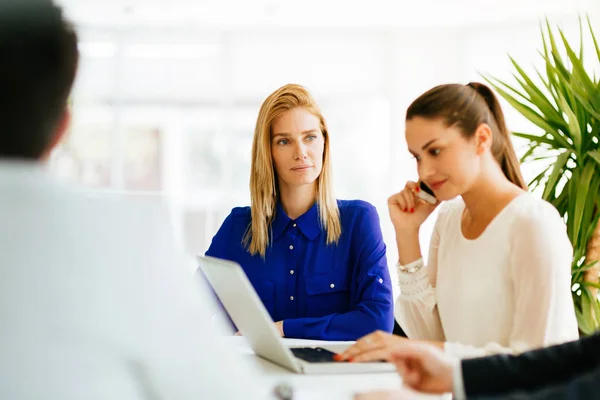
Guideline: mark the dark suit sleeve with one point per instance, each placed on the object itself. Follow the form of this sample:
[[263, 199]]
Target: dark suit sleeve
[[530, 371], [583, 387]]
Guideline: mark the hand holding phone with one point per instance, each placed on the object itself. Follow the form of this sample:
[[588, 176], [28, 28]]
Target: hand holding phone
[[426, 194], [407, 210]]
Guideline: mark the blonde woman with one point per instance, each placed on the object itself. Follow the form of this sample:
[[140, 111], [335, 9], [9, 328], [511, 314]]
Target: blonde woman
[[317, 263]]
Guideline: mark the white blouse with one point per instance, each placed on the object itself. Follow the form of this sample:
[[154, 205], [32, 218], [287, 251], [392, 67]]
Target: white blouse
[[507, 291]]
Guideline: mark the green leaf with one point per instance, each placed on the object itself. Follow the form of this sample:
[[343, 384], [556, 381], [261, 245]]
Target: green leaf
[[529, 152], [535, 138], [561, 202], [580, 39], [581, 199], [584, 267], [574, 129], [498, 83], [595, 309], [591, 284], [580, 74], [552, 73], [584, 320], [570, 209], [586, 105], [554, 51], [533, 183], [557, 172], [545, 157], [565, 103], [595, 155], [532, 116], [594, 38], [590, 208], [537, 97]]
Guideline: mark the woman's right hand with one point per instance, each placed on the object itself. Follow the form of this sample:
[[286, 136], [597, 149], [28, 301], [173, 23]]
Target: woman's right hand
[[407, 211]]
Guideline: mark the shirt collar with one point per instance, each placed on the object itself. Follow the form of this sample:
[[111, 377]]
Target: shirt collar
[[308, 223]]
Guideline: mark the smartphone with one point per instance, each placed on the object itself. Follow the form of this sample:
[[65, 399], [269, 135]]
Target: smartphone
[[426, 194]]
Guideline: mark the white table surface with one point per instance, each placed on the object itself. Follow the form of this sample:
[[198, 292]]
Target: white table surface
[[330, 386]]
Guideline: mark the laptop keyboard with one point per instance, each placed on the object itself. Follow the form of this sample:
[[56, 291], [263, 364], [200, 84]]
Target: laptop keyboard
[[313, 354]]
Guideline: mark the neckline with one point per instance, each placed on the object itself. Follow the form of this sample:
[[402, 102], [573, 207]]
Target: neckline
[[493, 222]]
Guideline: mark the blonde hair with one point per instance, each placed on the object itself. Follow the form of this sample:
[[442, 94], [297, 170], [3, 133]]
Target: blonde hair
[[263, 184]]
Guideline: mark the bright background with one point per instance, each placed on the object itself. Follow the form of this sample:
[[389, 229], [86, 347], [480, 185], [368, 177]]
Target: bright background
[[169, 91]]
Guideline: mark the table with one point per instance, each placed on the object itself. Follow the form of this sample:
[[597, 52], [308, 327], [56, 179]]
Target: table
[[341, 386]]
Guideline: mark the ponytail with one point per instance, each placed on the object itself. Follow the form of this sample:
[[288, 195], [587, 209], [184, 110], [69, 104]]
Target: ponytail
[[502, 149]]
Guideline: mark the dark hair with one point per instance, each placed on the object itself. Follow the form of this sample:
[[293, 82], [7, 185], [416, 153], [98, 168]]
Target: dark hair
[[38, 63], [467, 107]]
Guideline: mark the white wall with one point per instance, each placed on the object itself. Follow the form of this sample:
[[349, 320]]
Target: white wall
[[170, 107]]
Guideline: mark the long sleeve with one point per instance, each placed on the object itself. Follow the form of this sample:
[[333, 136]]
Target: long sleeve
[[221, 240], [583, 387], [540, 268], [182, 339], [181, 354], [372, 294], [104, 309], [533, 370], [416, 307]]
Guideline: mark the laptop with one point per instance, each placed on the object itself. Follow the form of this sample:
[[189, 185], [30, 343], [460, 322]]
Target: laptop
[[247, 311]]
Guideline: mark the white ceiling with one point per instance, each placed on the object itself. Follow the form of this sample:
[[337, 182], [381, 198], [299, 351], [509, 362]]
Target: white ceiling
[[319, 13]]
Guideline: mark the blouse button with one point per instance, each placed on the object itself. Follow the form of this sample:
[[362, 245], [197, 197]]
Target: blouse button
[[332, 285], [291, 247]]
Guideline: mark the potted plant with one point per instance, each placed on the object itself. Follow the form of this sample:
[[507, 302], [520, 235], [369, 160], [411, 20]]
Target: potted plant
[[563, 100]]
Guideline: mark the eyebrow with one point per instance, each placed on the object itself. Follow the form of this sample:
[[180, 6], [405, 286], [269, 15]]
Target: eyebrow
[[285, 134], [425, 146]]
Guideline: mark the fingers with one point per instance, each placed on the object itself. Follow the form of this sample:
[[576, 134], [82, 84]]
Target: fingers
[[405, 200], [376, 354], [409, 200], [365, 344], [414, 373], [411, 349], [409, 194], [412, 186], [397, 200], [409, 370]]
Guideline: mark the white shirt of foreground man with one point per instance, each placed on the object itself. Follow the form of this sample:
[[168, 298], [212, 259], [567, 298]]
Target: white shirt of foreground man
[[93, 303]]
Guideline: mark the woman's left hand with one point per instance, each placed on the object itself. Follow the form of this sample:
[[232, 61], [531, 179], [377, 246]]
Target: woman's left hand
[[376, 346], [373, 347], [279, 326]]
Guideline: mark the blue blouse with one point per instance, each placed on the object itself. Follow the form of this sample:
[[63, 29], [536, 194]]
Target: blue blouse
[[329, 292]]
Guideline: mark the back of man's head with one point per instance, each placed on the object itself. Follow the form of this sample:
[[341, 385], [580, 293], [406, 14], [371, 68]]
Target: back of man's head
[[38, 63]]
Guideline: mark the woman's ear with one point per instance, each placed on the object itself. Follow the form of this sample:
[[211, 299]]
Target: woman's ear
[[483, 138]]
